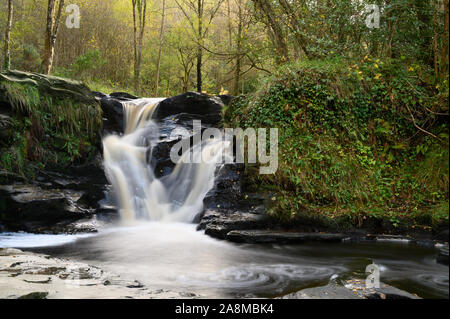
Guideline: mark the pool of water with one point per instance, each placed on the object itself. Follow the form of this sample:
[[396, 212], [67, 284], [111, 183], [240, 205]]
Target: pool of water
[[177, 257]]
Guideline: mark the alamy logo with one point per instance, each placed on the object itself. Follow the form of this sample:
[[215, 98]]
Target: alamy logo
[[227, 146], [373, 280], [73, 20], [373, 16]]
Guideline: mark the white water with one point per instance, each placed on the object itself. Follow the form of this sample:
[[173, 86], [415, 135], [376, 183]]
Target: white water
[[140, 195]]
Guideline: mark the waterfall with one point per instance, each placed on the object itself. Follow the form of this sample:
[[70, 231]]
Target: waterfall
[[177, 197]]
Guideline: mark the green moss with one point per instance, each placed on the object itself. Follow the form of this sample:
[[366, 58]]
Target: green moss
[[350, 154], [56, 122]]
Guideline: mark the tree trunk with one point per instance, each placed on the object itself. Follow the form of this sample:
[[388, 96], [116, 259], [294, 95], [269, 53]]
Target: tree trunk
[[139, 17], [277, 34], [294, 24], [200, 49], [53, 19], [444, 52], [161, 31], [237, 74], [7, 63], [435, 42]]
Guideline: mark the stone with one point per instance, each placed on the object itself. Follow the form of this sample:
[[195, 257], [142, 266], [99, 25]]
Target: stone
[[281, 237]]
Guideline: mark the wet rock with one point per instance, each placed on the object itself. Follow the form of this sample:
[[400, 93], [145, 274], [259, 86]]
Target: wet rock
[[218, 224], [35, 295], [206, 108], [442, 257], [112, 115], [34, 209], [280, 237], [123, 96], [227, 189]]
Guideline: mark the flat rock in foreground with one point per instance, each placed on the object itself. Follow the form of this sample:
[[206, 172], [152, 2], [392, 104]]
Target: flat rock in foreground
[[26, 275], [280, 237]]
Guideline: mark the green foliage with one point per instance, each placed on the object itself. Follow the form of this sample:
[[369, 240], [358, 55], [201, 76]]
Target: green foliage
[[53, 126], [348, 143]]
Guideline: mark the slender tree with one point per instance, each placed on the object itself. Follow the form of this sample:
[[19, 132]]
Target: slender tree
[[54, 12], [200, 27], [7, 62], [139, 17], [161, 33]]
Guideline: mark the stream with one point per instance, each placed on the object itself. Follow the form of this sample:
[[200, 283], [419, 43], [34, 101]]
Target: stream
[[155, 242], [175, 256]]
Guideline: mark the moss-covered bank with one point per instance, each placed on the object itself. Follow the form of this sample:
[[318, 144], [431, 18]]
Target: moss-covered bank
[[48, 122], [362, 145]]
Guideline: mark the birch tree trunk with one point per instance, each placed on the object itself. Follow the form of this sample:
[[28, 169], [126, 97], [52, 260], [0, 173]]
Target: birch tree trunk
[[53, 19]]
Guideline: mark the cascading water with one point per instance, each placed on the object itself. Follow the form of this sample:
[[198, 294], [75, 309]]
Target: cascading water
[[177, 197]]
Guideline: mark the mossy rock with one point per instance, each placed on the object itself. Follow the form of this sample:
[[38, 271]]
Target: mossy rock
[[52, 121]]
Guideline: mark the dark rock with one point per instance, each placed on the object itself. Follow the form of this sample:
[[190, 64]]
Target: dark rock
[[35, 295], [123, 96], [206, 108], [34, 209], [442, 256], [99, 95], [227, 189], [226, 99], [442, 235], [112, 114], [280, 237], [218, 224], [6, 123], [135, 285]]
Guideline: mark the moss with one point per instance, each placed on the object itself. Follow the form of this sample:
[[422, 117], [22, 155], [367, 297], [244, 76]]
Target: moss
[[56, 122], [350, 156]]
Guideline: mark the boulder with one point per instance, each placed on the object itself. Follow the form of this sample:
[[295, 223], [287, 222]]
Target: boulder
[[218, 224], [36, 209], [205, 107], [112, 114]]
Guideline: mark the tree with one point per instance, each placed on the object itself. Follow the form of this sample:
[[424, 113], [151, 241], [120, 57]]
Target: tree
[[7, 61], [53, 19], [139, 18], [275, 29], [200, 28], [161, 33]]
